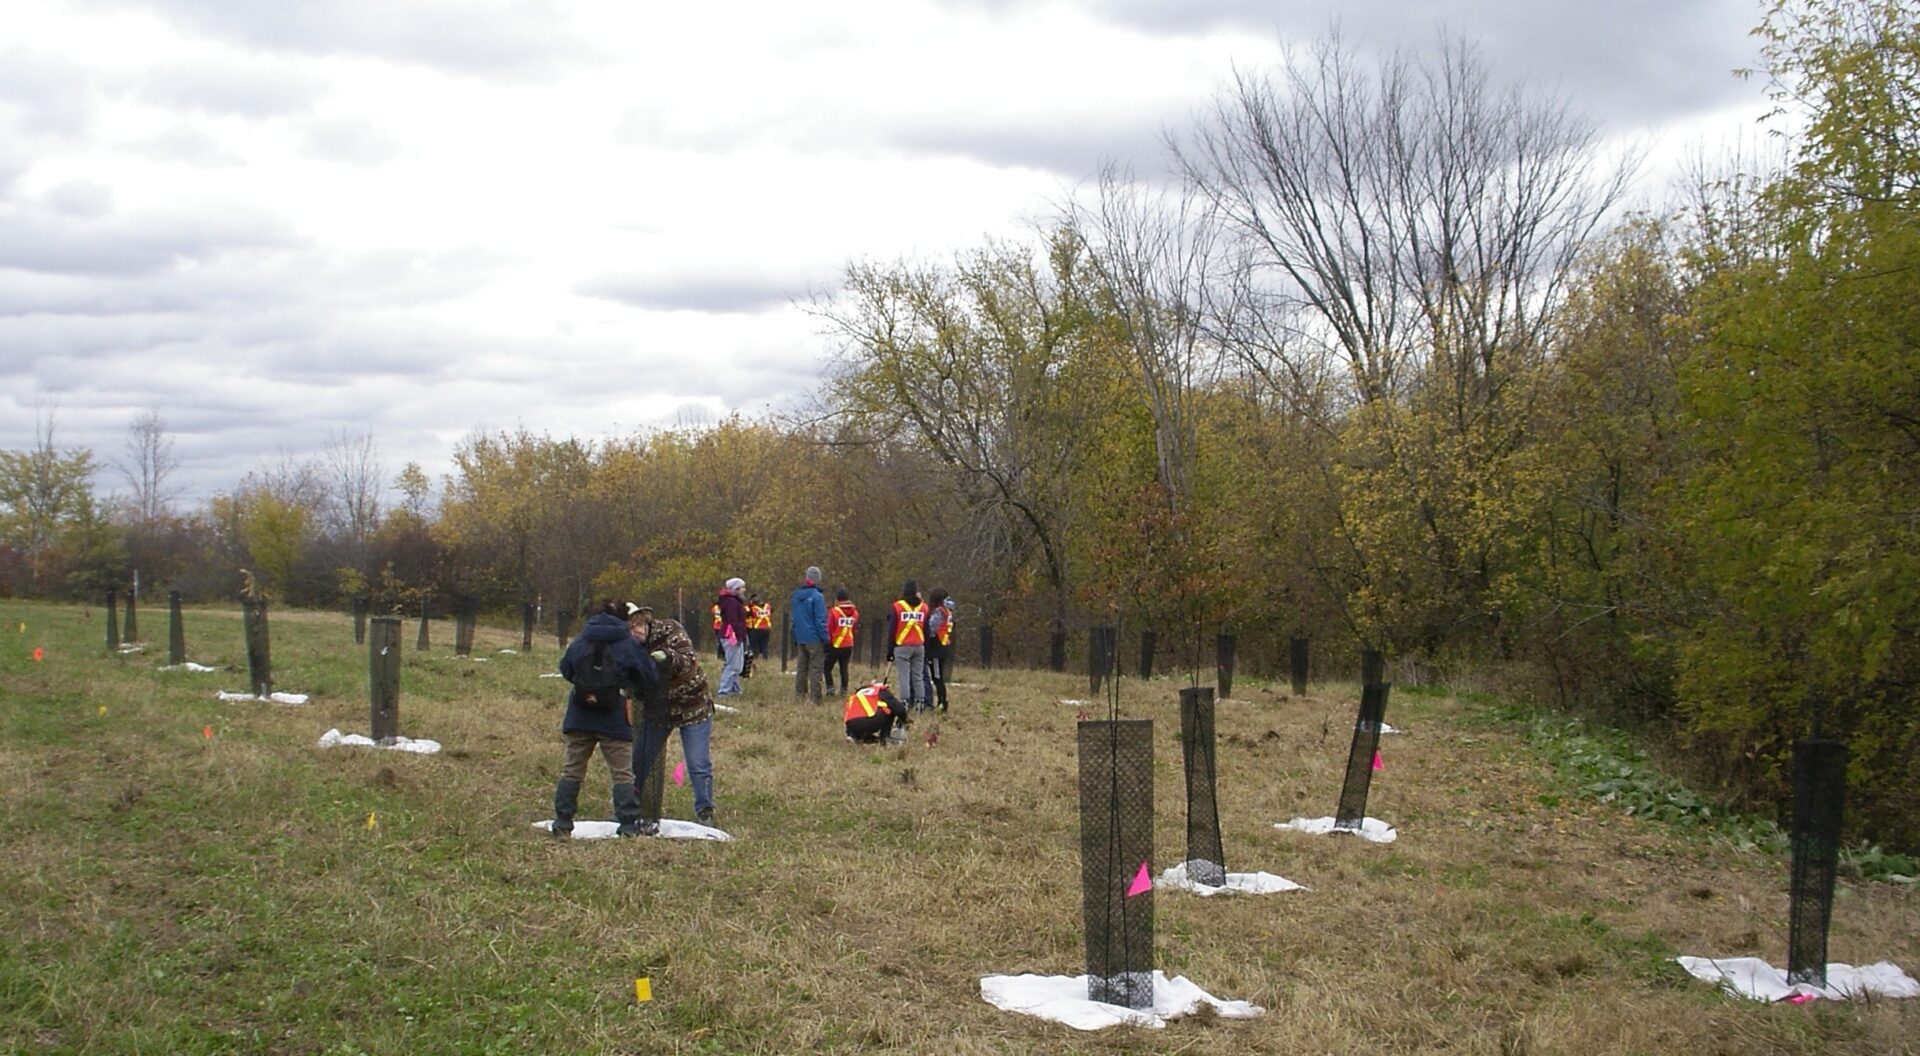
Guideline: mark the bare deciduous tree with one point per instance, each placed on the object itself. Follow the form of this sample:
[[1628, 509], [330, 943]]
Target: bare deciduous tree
[[148, 465], [355, 480], [1415, 222]]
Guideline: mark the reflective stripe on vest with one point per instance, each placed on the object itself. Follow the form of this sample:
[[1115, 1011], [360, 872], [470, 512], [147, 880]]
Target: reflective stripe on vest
[[761, 619], [717, 621], [944, 633], [911, 619], [865, 702], [841, 620]]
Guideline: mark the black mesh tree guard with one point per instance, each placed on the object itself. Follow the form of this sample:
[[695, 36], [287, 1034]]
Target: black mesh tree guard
[[1223, 664], [383, 678], [526, 626], [1057, 651], [1206, 860], [1819, 799], [360, 607], [259, 652], [426, 612], [1373, 667], [1148, 640], [466, 615], [786, 642], [986, 647], [1297, 656], [133, 619], [1102, 643], [1116, 843], [563, 626], [113, 620], [653, 784], [176, 631], [1366, 741]]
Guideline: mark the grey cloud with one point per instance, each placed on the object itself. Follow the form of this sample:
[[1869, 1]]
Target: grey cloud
[[244, 87], [1075, 151], [349, 143], [54, 95], [514, 38], [186, 145], [1626, 63], [129, 244], [82, 198], [694, 291]]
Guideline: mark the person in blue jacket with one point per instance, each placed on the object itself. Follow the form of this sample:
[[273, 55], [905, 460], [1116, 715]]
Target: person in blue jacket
[[809, 611], [605, 665]]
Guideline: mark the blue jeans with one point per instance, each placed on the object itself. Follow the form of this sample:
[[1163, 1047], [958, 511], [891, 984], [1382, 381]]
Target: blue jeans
[[736, 655], [696, 740]]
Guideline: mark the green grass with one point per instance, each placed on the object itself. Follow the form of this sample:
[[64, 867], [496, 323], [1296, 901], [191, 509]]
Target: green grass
[[170, 892]]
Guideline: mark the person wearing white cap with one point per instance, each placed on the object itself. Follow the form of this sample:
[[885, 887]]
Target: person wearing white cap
[[733, 635]]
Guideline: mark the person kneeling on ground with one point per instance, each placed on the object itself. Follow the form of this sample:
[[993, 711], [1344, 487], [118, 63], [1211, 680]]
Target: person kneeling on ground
[[601, 663], [873, 712], [686, 705]]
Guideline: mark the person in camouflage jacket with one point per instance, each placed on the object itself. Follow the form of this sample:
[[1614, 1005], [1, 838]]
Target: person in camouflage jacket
[[685, 704]]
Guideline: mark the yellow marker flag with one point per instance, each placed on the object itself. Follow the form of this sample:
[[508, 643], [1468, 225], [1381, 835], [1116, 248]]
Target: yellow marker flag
[[23, 626], [103, 709], [643, 989], [373, 819]]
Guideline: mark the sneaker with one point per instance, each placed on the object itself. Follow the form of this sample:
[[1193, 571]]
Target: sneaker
[[705, 817]]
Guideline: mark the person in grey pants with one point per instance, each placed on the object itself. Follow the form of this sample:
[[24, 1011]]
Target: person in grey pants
[[809, 612], [907, 647]]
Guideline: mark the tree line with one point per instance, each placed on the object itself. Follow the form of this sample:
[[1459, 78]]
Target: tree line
[[1385, 365]]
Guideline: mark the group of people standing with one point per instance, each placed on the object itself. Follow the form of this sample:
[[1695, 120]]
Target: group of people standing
[[919, 637], [626, 656]]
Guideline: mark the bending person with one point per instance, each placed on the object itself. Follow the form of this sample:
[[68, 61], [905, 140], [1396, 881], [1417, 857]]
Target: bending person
[[684, 704], [872, 714]]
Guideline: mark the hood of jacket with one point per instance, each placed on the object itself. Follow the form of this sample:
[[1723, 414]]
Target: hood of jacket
[[604, 627]]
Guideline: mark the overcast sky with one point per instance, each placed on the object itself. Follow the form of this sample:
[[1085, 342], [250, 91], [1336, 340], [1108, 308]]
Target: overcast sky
[[275, 221]]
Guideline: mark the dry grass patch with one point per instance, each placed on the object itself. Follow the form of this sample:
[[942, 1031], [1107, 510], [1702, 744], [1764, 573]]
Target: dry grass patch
[[171, 893]]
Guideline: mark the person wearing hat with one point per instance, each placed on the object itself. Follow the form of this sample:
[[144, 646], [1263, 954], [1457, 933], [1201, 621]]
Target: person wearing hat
[[732, 632], [809, 608], [604, 665], [686, 704], [939, 645]]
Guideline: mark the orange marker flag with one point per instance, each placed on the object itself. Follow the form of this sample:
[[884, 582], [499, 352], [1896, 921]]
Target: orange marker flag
[[207, 732], [39, 654]]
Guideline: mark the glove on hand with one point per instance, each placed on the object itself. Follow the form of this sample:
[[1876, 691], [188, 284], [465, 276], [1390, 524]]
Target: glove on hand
[[889, 657], [659, 656]]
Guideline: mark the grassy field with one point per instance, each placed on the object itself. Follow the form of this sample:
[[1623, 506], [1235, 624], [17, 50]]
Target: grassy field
[[169, 892]]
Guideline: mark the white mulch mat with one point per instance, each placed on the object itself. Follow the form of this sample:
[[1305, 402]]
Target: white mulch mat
[[1179, 879], [1755, 978], [275, 698], [669, 830], [188, 666], [1063, 999], [553, 674], [332, 738], [128, 650], [1373, 830], [726, 709]]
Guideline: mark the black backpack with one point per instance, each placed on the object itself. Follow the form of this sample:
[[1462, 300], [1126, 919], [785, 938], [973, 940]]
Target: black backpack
[[597, 682]]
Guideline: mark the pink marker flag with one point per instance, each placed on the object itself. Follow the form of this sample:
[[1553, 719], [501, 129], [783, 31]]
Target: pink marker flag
[[1377, 764], [1142, 882], [680, 772]]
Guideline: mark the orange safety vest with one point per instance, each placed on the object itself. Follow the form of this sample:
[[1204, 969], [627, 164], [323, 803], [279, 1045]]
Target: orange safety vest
[[865, 702], [760, 617], [841, 620], [945, 634], [717, 621], [911, 620]]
